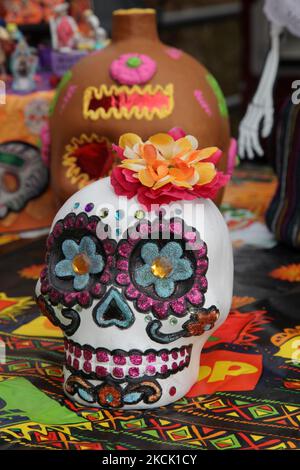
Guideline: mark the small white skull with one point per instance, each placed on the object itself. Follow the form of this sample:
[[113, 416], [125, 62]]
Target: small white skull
[[136, 293]]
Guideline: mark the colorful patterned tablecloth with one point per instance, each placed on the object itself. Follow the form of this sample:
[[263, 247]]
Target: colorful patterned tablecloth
[[248, 391]]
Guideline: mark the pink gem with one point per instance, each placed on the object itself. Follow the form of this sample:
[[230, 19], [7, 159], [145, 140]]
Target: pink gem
[[161, 309], [119, 360], [50, 241], [144, 229], [182, 352], [176, 227], [102, 356], [58, 229], [101, 371], [132, 293], [150, 370], [125, 250], [133, 371], [164, 356], [108, 247], [181, 363], [174, 366], [84, 298], [97, 289], [54, 296], [70, 298], [136, 360], [71, 347], [174, 354], [105, 278], [195, 297], [69, 360], [202, 265], [76, 364], [118, 372], [203, 282], [164, 369], [69, 221], [87, 354], [172, 391], [179, 306], [144, 303], [122, 265], [81, 221], [190, 236], [77, 351], [201, 250], [44, 287], [151, 357], [123, 279], [92, 226], [87, 367]]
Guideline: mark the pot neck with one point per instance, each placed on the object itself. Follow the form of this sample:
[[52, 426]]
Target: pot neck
[[134, 23]]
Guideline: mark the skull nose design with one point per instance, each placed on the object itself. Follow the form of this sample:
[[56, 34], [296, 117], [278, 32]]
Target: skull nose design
[[113, 310]]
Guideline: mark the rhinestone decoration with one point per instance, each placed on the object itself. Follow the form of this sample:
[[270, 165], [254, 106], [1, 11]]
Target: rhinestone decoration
[[119, 215], [103, 213], [139, 214], [89, 207], [161, 267], [81, 264]]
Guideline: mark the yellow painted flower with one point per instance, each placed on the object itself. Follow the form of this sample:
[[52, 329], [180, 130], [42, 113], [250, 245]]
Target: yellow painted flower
[[162, 160]]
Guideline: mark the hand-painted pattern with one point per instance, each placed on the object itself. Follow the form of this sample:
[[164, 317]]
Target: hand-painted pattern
[[265, 415]]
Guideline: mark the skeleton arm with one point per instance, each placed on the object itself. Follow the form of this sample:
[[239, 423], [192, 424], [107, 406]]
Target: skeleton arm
[[261, 109]]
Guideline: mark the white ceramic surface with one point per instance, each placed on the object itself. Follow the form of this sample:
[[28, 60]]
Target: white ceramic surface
[[219, 293]]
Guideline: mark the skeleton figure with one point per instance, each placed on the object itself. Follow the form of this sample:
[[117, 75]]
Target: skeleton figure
[[136, 293], [24, 63], [282, 14], [64, 30], [99, 34]]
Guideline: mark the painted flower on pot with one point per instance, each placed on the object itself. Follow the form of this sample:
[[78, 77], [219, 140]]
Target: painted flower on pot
[[133, 69], [165, 168]]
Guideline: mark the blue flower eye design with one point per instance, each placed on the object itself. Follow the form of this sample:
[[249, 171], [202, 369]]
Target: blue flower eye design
[[163, 267], [80, 262]]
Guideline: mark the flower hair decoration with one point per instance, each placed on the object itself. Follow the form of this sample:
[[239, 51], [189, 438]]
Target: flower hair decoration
[[167, 167]]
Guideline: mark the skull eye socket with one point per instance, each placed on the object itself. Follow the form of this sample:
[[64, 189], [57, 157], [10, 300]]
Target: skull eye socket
[[76, 261], [162, 269], [79, 264]]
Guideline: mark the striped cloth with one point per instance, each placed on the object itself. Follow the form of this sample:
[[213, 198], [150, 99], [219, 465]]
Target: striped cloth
[[283, 215]]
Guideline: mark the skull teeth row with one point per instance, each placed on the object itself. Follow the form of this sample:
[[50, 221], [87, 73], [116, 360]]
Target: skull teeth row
[[101, 363]]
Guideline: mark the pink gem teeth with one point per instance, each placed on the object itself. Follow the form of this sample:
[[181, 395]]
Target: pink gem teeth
[[121, 365]]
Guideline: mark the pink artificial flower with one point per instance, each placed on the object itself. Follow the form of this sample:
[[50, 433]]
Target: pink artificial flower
[[129, 182]]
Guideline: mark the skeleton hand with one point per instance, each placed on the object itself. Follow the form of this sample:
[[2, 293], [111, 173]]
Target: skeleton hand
[[257, 121], [259, 117]]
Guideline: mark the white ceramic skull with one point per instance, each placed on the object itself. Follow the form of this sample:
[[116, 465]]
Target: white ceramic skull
[[136, 306]]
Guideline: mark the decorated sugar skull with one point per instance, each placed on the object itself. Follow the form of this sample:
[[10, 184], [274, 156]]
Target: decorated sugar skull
[[139, 274], [135, 84]]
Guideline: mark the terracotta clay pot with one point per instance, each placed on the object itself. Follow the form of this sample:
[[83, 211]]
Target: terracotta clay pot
[[136, 84]]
